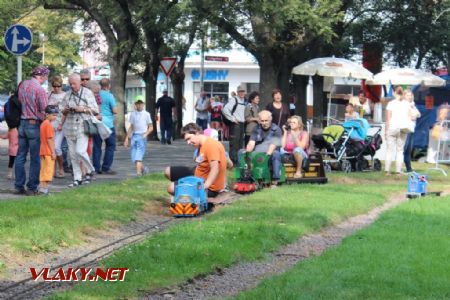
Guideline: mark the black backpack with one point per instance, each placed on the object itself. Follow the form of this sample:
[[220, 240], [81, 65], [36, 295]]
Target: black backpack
[[224, 118], [13, 110]]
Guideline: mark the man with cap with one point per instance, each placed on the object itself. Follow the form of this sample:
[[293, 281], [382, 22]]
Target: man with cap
[[138, 131], [234, 111], [33, 99], [166, 106]]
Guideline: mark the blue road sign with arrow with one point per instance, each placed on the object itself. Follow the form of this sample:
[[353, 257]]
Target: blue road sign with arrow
[[18, 39]]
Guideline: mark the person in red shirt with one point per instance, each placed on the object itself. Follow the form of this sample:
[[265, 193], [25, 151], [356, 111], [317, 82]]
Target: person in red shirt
[[47, 151]]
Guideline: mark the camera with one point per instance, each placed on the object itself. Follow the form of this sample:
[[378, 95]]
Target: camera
[[288, 126]]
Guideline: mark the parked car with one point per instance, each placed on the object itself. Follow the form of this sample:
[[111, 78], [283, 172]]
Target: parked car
[[3, 99]]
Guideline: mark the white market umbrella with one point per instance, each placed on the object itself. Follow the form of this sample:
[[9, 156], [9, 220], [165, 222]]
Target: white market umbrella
[[406, 76], [332, 67]]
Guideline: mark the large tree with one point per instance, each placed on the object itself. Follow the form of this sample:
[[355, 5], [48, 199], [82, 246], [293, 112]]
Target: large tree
[[275, 32], [414, 32], [115, 21]]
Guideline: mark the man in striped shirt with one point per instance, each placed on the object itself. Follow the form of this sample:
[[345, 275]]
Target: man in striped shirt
[[33, 98]]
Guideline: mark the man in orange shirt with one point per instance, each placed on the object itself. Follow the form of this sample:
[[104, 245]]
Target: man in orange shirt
[[47, 150], [211, 161]]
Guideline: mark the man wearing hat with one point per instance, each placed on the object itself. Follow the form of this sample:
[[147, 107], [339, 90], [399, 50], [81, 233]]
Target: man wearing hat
[[33, 98], [166, 106], [234, 111], [140, 127]]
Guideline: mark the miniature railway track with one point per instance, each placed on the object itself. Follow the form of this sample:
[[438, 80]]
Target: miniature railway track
[[29, 289]]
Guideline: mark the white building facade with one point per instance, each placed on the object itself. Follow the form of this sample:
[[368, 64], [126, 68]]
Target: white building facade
[[220, 78]]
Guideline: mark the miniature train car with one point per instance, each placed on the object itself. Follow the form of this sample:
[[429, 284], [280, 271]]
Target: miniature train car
[[254, 172], [190, 198]]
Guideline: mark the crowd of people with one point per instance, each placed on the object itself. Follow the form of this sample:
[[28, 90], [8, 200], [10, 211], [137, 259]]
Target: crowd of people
[[52, 128]]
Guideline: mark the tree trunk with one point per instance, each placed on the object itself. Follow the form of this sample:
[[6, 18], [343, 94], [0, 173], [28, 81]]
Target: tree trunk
[[151, 79], [118, 79], [268, 80], [284, 76], [319, 104], [177, 78], [300, 85]]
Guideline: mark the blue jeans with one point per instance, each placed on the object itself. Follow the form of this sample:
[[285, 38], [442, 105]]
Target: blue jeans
[[109, 152], [203, 123], [29, 139], [407, 151], [276, 165], [165, 126]]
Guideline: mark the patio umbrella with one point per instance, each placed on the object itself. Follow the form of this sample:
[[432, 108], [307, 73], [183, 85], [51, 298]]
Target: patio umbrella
[[332, 67], [406, 76]]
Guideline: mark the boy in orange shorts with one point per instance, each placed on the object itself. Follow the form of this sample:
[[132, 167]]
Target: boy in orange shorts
[[47, 151]]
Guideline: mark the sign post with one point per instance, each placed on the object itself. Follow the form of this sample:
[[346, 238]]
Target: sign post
[[18, 40], [167, 64]]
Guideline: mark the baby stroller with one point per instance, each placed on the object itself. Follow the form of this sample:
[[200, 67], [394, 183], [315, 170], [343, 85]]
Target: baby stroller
[[364, 141], [344, 146], [332, 144]]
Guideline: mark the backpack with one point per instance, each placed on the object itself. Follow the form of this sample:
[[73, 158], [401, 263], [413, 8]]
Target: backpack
[[13, 110], [224, 118]]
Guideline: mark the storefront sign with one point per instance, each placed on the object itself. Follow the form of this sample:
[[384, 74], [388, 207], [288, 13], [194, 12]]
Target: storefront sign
[[216, 58], [210, 74]]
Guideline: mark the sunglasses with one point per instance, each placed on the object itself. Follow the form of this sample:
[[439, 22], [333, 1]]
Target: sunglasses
[[84, 79], [55, 86]]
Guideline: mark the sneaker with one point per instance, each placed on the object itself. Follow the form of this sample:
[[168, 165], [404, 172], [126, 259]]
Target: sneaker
[[146, 170], [109, 172], [43, 192], [32, 193], [19, 192], [90, 176], [169, 142], [76, 183]]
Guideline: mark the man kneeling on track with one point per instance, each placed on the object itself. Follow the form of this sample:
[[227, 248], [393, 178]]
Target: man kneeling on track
[[211, 161], [266, 138]]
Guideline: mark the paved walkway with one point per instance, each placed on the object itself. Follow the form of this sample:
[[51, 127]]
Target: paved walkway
[[157, 158]]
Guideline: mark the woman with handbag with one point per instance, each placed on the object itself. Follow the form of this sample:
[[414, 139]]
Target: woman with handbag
[[77, 122], [397, 127]]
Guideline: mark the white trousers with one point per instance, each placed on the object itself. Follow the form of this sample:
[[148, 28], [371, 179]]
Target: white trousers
[[59, 136], [395, 144], [78, 153]]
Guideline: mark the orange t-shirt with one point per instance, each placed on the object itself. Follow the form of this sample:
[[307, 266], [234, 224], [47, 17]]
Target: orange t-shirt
[[46, 133], [212, 150]]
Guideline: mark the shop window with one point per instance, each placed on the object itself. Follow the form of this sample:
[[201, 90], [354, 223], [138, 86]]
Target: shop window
[[213, 89]]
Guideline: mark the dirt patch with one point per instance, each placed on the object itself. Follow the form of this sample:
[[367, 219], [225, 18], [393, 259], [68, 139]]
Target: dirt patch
[[231, 281]]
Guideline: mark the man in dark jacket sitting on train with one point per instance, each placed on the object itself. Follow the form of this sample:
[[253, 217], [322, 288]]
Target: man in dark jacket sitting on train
[[266, 138]]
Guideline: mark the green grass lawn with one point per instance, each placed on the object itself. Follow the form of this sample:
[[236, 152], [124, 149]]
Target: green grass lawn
[[245, 231], [404, 255], [42, 224]]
